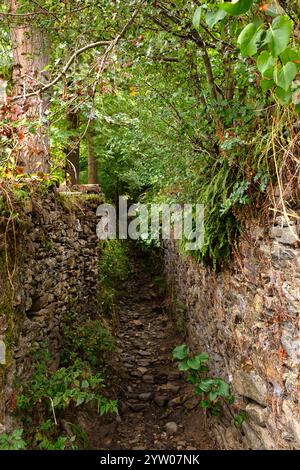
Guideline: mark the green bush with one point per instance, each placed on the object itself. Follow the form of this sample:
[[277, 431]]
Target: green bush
[[114, 268], [48, 395], [74, 385], [212, 391], [89, 339], [13, 441]]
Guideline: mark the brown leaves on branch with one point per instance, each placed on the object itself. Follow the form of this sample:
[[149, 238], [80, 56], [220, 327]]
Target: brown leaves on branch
[[263, 6]]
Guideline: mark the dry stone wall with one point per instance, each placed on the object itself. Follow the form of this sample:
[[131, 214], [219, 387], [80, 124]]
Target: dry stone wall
[[247, 318], [54, 271]]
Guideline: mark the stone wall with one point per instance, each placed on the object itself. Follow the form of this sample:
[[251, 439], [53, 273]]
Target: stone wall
[[48, 269], [247, 318]]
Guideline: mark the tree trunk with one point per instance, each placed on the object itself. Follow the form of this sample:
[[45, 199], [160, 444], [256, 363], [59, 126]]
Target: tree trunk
[[73, 148], [31, 54], [92, 160]]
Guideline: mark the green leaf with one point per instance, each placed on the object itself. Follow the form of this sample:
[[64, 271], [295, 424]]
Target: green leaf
[[222, 388], [249, 38], [284, 97], [85, 384], [238, 8], [297, 107], [290, 55], [278, 35], [216, 409], [180, 352], [197, 17], [192, 378], [204, 404], [214, 16], [266, 84], [265, 64], [230, 400], [183, 366], [80, 400], [283, 76], [239, 419], [213, 395], [203, 357], [194, 363], [205, 385], [274, 10]]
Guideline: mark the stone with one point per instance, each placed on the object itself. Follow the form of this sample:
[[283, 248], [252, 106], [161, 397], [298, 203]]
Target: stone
[[265, 437], [174, 375], [290, 339], [135, 373], [257, 413], [191, 402], [251, 385], [171, 428], [170, 388], [181, 443], [142, 370], [161, 378], [292, 419], [137, 406], [160, 400], [291, 383], [148, 379], [77, 226], [145, 396], [2, 352], [145, 362], [144, 353], [285, 235], [253, 440], [175, 401], [231, 437]]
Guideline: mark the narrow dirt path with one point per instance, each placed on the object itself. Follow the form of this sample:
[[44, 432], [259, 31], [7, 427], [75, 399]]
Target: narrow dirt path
[[157, 409]]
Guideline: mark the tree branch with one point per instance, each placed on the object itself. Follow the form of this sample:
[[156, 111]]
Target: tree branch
[[111, 45], [43, 9], [194, 36], [65, 69]]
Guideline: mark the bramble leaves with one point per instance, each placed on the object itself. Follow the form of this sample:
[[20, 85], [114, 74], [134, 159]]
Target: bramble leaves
[[248, 39], [284, 75], [266, 84], [265, 64], [214, 16], [278, 35], [238, 8], [290, 55], [197, 17], [212, 391], [180, 352], [277, 63], [13, 441], [284, 96], [196, 362]]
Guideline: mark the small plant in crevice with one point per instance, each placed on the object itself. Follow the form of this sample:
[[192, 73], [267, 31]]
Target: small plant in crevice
[[180, 313], [239, 418], [114, 269], [88, 339], [212, 391], [54, 391], [12, 441], [49, 394]]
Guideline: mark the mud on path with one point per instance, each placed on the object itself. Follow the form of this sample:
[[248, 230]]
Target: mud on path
[[157, 407]]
